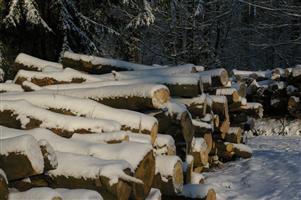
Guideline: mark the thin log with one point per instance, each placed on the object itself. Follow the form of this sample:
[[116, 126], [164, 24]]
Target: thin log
[[219, 77], [21, 157], [169, 175]]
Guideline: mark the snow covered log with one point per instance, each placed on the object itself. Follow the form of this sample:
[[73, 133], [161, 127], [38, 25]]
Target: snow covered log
[[49, 156], [68, 75], [234, 135], [129, 120], [197, 192], [3, 186], [294, 106], [21, 157], [176, 121], [36, 193], [80, 194], [242, 150], [27, 62], [164, 145], [295, 76], [241, 88], [250, 109], [225, 151], [10, 87], [231, 94], [197, 106], [199, 152], [169, 175], [180, 85], [23, 115], [110, 178], [132, 97], [105, 138], [99, 65], [219, 77], [257, 75]]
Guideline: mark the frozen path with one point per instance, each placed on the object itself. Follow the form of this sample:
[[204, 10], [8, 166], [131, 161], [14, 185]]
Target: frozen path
[[274, 171]]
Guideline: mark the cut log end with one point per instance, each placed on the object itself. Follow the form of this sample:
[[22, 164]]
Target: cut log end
[[154, 133], [211, 195], [160, 97], [178, 175]]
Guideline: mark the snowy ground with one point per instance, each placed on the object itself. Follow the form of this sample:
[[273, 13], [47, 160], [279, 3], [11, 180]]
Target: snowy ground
[[274, 171]]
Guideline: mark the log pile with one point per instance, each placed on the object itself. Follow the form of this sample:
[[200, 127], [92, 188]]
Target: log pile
[[278, 90], [130, 132]]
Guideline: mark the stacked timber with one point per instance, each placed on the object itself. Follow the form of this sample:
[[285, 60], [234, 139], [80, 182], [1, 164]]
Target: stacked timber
[[131, 131]]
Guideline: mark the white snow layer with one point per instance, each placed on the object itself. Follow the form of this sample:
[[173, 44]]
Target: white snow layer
[[154, 194], [24, 145], [51, 156], [88, 108], [10, 87], [90, 167], [80, 194], [67, 74], [198, 145], [40, 193], [272, 173], [106, 61], [31, 61], [195, 190], [49, 119]]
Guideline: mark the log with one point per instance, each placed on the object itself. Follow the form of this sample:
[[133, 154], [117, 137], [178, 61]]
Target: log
[[257, 75], [21, 157], [30, 182], [219, 105], [250, 109], [27, 62], [3, 186], [234, 135], [105, 138], [10, 87], [199, 152], [196, 106], [231, 94], [28, 86], [241, 88], [225, 151], [179, 85], [68, 75], [295, 76], [294, 106], [110, 178], [219, 77], [99, 65], [36, 193], [164, 145], [49, 156], [129, 120], [23, 115], [242, 151], [204, 130], [132, 97], [188, 167], [139, 155], [198, 191], [169, 175]]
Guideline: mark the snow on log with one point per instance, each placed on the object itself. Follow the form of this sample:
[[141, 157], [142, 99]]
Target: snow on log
[[129, 120], [28, 86], [154, 194], [242, 150], [109, 177], [169, 175], [198, 191], [231, 94], [196, 106], [105, 138], [295, 76], [164, 145], [180, 85], [27, 62], [132, 97], [68, 75], [23, 115], [99, 65], [251, 109], [3, 185], [36, 193], [20, 157], [219, 77], [294, 106], [10, 87], [241, 88], [50, 160], [234, 135], [199, 152], [224, 151], [257, 75], [82, 194], [203, 130]]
